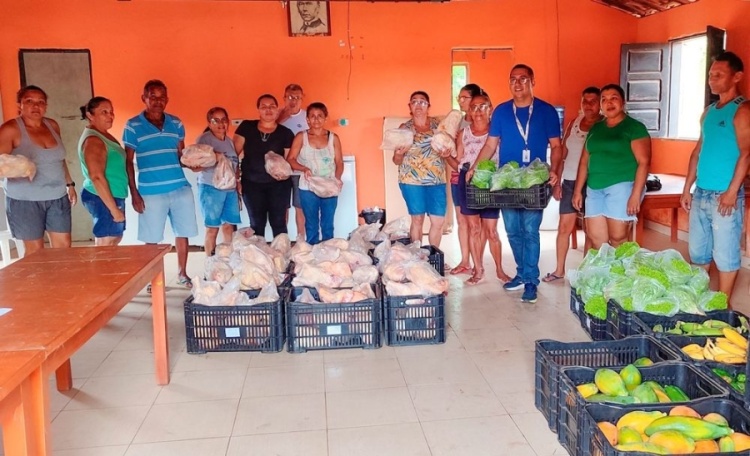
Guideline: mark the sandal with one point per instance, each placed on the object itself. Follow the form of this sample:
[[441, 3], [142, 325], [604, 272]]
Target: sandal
[[475, 279], [460, 270], [551, 277], [185, 282]]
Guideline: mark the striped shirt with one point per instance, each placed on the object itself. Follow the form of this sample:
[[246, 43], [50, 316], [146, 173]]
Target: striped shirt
[[159, 169]]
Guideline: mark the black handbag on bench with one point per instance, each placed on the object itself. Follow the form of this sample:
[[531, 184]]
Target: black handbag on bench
[[653, 183]]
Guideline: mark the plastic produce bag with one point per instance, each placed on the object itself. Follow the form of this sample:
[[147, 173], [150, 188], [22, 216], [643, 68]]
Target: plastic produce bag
[[699, 282], [269, 293], [675, 267], [224, 175], [536, 173], [443, 144], [16, 166], [241, 238], [645, 291], [323, 252], [324, 187], [223, 250], [591, 282], [430, 282], [399, 225], [218, 270], [450, 123], [604, 257], [397, 138], [277, 166], [686, 298], [505, 178], [282, 243], [712, 300], [198, 156], [367, 231], [481, 178], [619, 289], [205, 291], [664, 305], [358, 244]]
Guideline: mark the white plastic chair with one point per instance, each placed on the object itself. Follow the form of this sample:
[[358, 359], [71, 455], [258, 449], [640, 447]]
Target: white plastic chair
[[5, 238]]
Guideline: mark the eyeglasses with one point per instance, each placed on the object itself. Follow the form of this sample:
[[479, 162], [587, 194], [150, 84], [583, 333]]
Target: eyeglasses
[[267, 107], [218, 120], [463, 98], [293, 97], [40, 103], [419, 103], [521, 80], [480, 107]]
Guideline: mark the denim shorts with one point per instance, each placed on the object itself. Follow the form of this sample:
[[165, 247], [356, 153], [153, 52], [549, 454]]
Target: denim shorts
[[218, 206], [178, 205], [425, 199], [566, 200], [713, 236], [104, 225], [295, 192], [28, 220], [610, 202], [455, 195]]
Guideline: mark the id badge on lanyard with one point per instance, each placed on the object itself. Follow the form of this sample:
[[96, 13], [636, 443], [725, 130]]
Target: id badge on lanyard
[[524, 132]]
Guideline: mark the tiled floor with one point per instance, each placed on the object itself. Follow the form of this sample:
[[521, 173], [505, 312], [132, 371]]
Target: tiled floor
[[470, 396]]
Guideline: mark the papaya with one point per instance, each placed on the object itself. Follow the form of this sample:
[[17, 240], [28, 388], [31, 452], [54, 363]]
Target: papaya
[[639, 420], [684, 410], [673, 441], [676, 394], [629, 435], [642, 362], [610, 383], [741, 441], [645, 394], [695, 428], [625, 400], [663, 398], [587, 389], [706, 446], [631, 376], [643, 446], [726, 445], [610, 432], [716, 419], [655, 386]]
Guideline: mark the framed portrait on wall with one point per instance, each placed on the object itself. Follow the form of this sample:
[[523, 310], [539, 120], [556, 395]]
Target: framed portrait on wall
[[309, 18]]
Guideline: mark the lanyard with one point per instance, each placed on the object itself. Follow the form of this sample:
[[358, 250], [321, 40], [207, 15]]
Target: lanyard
[[524, 132]]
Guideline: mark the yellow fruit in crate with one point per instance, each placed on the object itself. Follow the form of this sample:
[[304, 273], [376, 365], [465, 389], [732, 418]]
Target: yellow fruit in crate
[[729, 347], [716, 419], [638, 420], [643, 446], [741, 441], [610, 383], [610, 432], [662, 396], [587, 389], [673, 441], [629, 435], [735, 337], [642, 362], [706, 446], [683, 410], [631, 376], [726, 445]]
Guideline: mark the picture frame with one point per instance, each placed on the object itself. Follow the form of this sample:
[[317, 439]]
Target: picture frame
[[309, 18]]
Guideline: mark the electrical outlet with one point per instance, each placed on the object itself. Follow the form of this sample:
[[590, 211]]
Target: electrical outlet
[[236, 122]]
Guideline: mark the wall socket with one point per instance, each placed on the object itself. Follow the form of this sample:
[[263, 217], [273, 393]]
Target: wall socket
[[236, 122]]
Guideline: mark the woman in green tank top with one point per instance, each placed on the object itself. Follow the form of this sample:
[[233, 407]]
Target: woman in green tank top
[[105, 184]]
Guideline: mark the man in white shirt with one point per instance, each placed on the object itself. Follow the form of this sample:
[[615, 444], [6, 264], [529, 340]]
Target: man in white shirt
[[294, 118]]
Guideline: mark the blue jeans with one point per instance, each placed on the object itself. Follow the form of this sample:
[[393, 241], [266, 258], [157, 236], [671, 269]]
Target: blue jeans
[[522, 226], [319, 214], [712, 235]]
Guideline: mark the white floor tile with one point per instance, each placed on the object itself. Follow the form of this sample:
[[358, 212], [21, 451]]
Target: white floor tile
[[95, 428], [202, 386], [309, 443], [492, 436], [405, 439], [284, 380], [457, 367], [290, 413], [201, 447], [189, 420], [116, 391], [369, 408], [377, 373], [118, 450], [453, 401]]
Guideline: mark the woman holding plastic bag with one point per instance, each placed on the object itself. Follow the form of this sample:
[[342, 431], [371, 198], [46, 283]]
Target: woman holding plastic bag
[[266, 197], [317, 153], [218, 192]]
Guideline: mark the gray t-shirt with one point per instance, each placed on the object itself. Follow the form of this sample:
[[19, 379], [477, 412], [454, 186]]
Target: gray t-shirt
[[225, 147]]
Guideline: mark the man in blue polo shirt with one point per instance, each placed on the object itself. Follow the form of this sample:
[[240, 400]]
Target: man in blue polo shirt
[[523, 127], [156, 139]]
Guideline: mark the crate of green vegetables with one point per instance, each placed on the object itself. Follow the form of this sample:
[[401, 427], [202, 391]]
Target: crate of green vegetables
[[510, 187], [735, 376]]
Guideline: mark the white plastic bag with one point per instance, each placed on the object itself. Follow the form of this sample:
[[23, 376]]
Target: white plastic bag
[[15, 166], [395, 226], [450, 123], [443, 144], [277, 166], [224, 176], [198, 156], [324, 187], [397, 138]]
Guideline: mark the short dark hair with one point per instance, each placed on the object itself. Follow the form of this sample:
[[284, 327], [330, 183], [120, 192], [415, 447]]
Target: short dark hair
[[213, 110], [735, 63], [266, 95], [483, 95], [154, 84], [592, 90], [29, 88], [91, 105], [293, 88], [523, 66], [616, 88], [319, 106], [473, 89], [420, 92]]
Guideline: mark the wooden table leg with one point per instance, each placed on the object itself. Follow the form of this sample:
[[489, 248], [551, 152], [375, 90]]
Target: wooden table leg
[[35, 396], [64, 377], [159, 317], [674, 225], [16, 432]]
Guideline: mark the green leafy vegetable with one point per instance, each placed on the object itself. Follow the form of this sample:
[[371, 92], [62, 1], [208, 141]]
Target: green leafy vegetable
[[596, 307]]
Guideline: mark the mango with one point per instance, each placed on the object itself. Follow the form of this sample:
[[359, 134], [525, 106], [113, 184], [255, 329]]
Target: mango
[[629, 435], [716, 419], [673, 441], [645, 394], [610, 383], [726, 445], [706, 446], [644, 446], [642, 362], [587, 389], [741, 441], [631, 376], [638, 420], [655, 386], [663, 398], [610, 432], [683, 410]]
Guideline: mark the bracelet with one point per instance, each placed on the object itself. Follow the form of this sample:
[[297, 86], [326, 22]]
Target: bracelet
[[71, 184]]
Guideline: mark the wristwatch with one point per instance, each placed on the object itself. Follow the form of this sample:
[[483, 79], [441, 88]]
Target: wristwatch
[[72, 184]]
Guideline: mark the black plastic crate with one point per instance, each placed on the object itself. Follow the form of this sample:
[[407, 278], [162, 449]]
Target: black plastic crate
[[552, 355], [620, 321], [696, 384], [732, 369], [595, 327], [234, 328], [597, 444], [436, 259], [330, 326], [576, 306], [413, 320], [643, 322], [535, 197]]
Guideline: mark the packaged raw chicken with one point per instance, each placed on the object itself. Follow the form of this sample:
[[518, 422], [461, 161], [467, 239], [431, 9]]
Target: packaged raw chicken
[[253, 276], [399, 225], [224, 175], [310, 275], [282, 243], [443, 144], [365, 274], [341, 244], [241, 237], [269, 293], [277, 166], [223, 250], [16, 166], [204, 291], [323, 252], [397, 138], [426, 278], [324, 187], [218, 270], [198, 156], [450, 123]]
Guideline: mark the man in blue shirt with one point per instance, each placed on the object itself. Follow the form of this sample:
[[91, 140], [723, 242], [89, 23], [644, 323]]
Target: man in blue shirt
[[155, 140], [523, 127], [718, 166]]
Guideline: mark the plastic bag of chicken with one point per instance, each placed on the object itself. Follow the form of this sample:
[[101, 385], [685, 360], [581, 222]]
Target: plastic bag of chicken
[[198, 156], [224, 175], [16, 166], [277, 166]]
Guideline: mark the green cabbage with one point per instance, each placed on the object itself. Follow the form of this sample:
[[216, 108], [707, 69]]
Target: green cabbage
[[712, 300], [663, 306], [626, 250], [481, 178], [487, 165], [596, 307]]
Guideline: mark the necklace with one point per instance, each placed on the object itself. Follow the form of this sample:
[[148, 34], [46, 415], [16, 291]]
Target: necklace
[[264, 136]]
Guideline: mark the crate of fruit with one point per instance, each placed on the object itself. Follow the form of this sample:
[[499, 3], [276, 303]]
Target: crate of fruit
[[728, 347], [324, 326], [677, 383], [709, 324], [552, 355], [711, 427], [413, 320], [734, 375], [259, 327]]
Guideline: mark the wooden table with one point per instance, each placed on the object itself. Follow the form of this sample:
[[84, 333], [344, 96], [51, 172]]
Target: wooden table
[[17, 370], [666, 198], [62, 297]]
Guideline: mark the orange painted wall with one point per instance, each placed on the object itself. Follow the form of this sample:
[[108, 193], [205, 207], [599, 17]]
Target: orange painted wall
[[229, 52]]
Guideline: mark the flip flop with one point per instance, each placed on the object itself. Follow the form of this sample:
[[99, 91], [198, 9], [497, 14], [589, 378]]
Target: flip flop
[[551, 277], [185, 282], [460, 270]]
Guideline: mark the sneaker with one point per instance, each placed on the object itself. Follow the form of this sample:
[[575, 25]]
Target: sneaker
[[513, 285], [529, 293]]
